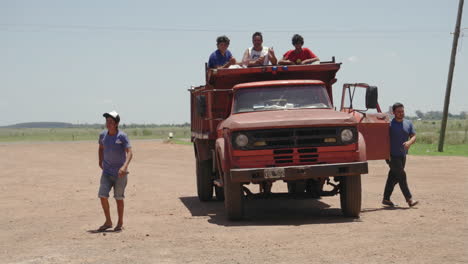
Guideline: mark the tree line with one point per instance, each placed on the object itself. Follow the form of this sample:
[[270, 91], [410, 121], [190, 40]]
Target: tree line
[[132, 125], [437, 115]]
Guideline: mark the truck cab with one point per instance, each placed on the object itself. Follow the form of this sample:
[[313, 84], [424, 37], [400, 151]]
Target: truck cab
[[271, 124]]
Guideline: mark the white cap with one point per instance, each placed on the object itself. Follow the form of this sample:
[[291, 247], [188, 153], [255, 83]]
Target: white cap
[[112, 114]]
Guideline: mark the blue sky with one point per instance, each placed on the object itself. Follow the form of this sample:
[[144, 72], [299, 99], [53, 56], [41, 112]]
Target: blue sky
[[71, 61]]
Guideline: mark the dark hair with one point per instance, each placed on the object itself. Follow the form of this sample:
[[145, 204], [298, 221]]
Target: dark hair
[[222, 39], [257, 34], [297, 39], [397, 105]]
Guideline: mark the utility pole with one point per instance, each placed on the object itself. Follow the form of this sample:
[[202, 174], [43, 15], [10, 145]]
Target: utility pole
[[450, 77]]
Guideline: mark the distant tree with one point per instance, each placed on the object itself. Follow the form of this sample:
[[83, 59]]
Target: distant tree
[[434, 115], [419, 114], [463, 115]]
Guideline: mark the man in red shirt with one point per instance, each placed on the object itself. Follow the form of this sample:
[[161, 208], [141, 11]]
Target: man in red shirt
[[299, 55]]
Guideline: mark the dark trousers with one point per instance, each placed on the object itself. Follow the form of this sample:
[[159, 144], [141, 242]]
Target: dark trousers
[[396, 175]]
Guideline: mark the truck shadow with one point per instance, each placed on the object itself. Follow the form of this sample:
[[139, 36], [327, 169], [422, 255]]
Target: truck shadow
[[269, 212]]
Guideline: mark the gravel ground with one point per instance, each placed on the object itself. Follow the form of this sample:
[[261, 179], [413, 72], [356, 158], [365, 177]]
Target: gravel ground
[[49, 209]]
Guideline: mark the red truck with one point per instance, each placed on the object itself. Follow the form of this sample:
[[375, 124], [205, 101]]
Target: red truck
[[267, 124]]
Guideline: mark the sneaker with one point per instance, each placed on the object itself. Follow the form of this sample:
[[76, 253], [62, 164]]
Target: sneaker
[[388, 203], [412, 202]]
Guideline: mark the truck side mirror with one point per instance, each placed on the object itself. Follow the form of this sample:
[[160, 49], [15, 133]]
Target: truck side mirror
[[201, 105], [371, 97]]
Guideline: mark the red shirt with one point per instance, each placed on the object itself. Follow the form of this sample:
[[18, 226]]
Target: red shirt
[[299, 57]]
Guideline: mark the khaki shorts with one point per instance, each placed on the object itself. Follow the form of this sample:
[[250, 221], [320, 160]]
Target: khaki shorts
[[108, 182]]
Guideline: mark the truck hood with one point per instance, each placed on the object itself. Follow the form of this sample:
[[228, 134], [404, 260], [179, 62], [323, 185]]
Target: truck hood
[[287, 118]]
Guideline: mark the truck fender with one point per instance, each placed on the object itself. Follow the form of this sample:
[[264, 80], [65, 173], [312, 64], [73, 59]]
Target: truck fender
[[220, 154], [362, 148]]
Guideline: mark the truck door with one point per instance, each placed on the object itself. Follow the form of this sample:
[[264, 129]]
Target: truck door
[[360, 100]]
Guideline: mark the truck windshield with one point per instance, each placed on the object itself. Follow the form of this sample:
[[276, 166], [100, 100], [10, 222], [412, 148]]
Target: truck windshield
[[279, 98]]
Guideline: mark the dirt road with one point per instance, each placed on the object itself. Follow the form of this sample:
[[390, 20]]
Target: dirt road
[[49, 206]]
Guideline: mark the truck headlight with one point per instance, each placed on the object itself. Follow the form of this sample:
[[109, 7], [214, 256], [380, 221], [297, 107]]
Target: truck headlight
[[242, 140], [346, 135]]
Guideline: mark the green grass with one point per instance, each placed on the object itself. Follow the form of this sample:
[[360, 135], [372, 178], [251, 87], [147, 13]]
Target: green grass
[[431, 150], [428, 131], [427, 138], [80, 134]]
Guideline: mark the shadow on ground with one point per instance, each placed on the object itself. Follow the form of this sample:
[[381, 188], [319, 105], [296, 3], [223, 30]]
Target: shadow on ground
[[387, 208], [270, 212], [102, 232]]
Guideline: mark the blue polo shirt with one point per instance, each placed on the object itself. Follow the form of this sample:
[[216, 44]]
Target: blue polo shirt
[[114, 151], [399, 134], [217, 59]]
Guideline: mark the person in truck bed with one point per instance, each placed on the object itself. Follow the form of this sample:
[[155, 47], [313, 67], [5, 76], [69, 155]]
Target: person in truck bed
[[258, 55], [222, 57], [298, 55]]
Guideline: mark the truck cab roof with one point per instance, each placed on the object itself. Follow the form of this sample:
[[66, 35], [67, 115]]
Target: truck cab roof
[[277, 83]]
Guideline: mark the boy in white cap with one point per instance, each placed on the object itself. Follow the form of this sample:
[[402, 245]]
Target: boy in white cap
[[115, 154]]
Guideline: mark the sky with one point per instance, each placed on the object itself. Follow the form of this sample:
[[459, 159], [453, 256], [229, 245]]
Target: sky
[[71, 61]]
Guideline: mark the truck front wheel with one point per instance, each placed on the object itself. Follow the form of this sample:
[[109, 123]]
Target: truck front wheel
[[204, 180], [350, 195], [233, 198]]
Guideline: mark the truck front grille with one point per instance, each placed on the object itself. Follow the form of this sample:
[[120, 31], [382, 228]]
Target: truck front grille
[[293, 138], [280, 156]]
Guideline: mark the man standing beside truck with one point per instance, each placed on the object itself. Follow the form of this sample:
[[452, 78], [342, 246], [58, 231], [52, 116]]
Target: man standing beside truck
[[402, 136]]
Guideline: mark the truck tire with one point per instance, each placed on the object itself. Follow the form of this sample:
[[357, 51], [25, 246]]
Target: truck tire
[[233, 199], [204, 180], [296, 187], [350, 195]]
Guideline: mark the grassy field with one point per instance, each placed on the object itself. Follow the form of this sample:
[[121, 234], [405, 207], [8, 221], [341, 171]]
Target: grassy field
[[428, 131], [456, 138], [431, 150], [80, 134]]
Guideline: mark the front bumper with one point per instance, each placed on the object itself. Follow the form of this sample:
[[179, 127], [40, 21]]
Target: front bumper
[[291, 173]]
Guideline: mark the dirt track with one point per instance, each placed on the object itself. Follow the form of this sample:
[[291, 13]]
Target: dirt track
[[48, 205]]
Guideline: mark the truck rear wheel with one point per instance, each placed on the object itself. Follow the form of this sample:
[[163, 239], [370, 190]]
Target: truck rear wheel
[[233, 199], [204, 180], [350, 195]]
